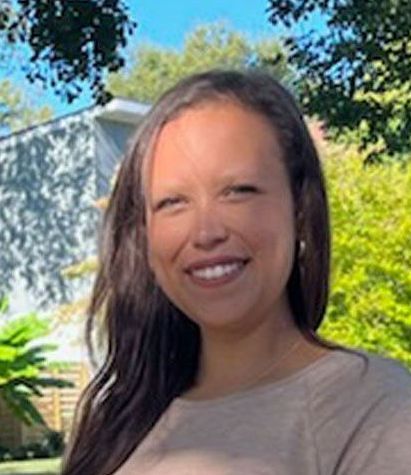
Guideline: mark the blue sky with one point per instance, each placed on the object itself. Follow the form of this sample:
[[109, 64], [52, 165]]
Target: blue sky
[[166, 23]]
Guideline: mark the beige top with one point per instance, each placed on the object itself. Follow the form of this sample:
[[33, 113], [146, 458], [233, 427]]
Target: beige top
[[337, 416]]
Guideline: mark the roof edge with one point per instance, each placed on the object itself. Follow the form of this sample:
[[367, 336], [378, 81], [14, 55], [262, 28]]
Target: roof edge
[[118, 109], [123, 110]]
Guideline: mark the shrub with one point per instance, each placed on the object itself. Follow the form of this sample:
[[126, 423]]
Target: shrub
[[370, 304], [5, 454], [52, 445], [21, 364]]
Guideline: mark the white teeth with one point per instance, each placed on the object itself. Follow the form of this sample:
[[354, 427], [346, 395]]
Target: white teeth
[[217, 271]]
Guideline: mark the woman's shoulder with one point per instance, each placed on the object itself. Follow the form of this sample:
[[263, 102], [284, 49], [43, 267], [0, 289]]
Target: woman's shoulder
[[354, 373], [355, 385], [388, 374], [367, 398]]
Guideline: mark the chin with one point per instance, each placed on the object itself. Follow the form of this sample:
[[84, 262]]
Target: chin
[[221, 319]]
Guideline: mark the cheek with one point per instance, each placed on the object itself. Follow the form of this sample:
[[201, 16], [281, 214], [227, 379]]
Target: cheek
[[165, 239], [258, 225], [273, 244], [272, 220]]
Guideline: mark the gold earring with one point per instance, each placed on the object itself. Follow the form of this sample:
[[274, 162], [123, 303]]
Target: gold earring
[[301, 248]]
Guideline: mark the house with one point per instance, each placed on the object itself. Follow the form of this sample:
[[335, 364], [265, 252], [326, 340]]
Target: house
[[50, 176]]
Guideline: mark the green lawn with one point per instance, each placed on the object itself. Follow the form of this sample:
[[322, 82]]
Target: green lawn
[[31, 467]]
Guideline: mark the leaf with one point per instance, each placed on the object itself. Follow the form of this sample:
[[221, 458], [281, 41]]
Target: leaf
[[22, 407], [21, 363]]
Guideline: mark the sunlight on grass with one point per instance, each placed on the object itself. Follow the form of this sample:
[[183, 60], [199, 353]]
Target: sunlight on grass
[[31, 467]]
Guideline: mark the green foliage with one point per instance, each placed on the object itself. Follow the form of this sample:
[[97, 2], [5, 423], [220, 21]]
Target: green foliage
[[370, 304], [16, 111], [154, 69], [389, 139], [21, 364], [356, 72], [70, 42], [87, 266]]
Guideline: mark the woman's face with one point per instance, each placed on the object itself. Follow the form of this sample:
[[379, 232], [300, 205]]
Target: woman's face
[[220, 220]]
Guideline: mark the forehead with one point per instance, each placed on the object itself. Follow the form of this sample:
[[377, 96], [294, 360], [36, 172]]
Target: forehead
[[214, 139]]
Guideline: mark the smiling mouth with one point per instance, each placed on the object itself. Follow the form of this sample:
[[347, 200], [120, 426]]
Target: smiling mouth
[[218, 274]]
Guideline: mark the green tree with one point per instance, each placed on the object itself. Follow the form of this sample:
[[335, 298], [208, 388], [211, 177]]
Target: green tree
[[21, 364], [355, 71], [16, 112], [370, 305], [69, 43], [154, 69]]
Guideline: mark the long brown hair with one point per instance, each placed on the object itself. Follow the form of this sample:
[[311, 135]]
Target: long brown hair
[[151, 349]]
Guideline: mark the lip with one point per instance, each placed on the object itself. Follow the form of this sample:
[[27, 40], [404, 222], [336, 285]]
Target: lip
[[218, 282], [213, 261]]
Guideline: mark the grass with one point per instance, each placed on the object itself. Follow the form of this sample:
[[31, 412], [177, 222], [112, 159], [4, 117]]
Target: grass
[[31, 467]]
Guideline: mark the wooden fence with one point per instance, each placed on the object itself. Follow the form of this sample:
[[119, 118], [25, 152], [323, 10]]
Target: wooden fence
[[56, 406]]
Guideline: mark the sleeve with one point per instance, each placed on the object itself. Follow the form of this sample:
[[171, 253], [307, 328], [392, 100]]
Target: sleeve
[[383, 449]]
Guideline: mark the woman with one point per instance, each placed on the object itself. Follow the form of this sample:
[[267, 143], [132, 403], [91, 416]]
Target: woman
[[213, 281]]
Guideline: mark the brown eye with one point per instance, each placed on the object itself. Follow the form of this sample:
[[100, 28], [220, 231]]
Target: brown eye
[[167, 203], [243, 188]]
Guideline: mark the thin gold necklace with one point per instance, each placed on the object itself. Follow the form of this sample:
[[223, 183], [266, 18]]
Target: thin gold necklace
[[252, 381], [270, 367]]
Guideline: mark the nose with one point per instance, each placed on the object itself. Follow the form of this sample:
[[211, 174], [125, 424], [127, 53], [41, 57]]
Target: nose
[[208, 230]]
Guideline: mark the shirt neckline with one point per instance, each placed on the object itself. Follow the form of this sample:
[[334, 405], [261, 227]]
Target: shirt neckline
[[263, 388]]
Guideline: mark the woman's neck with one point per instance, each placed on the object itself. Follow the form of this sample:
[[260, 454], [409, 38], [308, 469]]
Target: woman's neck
[[232, 363]]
